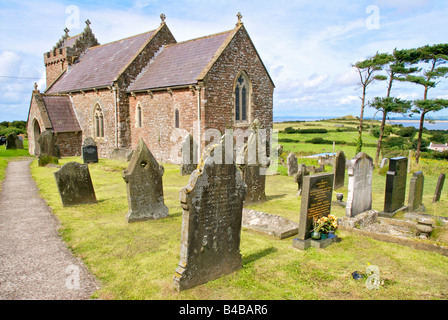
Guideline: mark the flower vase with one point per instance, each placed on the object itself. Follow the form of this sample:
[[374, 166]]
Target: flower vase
[[315, 235]]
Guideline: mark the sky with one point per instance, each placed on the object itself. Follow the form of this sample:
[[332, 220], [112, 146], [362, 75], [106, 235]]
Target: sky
[[307, 46]]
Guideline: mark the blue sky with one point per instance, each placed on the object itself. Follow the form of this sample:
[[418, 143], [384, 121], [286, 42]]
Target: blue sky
[[307, 46]]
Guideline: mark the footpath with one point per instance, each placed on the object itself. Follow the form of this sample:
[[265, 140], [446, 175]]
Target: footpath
[[35, 263]]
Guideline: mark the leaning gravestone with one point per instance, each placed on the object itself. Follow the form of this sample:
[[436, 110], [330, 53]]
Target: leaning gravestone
[[11, 140], [292, 164], [439, 188], [74, 184], [189, 151], [212, 204], [415, 199], [359, 197], [339, 170], [316, 203], [89, 151], [144, 186], [395, 185]]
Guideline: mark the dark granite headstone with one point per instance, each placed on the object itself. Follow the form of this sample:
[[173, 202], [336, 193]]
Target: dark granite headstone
[[439, 187], [144, 186], [212, 204], [74, 184], [189, 155], [89, 151], [395, 184], [359, 195], [339, 170], [415, 199]]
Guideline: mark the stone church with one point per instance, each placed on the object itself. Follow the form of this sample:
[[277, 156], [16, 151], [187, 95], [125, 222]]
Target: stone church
[[149, 86]]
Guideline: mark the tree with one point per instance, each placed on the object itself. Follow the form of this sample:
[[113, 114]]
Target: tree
[[386, 106], [434, 57], [366, 70]]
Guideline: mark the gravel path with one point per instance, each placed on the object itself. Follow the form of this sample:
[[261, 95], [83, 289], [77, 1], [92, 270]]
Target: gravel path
[[34, 261]]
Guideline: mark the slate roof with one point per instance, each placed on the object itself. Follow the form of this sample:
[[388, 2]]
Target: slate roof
[[181, 63], [61, 114], [100, 65]]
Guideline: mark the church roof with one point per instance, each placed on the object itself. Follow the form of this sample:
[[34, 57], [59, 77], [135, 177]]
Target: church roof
[[61, 114], [181, 63], [100, 65]]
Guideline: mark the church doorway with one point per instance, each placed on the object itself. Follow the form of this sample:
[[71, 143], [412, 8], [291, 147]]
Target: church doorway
[[36, 131]]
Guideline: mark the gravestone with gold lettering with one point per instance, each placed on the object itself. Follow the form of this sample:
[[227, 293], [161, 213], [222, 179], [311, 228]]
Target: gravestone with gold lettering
[[212, 204], [317, 191]]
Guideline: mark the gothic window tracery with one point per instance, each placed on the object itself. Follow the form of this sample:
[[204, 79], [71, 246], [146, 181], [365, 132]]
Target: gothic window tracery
[[242, 87]]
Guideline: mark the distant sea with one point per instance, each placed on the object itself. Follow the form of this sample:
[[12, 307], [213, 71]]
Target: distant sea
[[437, 125]]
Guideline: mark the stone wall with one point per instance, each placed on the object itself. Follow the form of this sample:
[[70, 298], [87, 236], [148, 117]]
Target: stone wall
[[69, 143], [36, 111]]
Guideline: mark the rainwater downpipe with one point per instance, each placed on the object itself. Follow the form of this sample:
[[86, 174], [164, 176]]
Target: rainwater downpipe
[[198, 90], [114, 88]]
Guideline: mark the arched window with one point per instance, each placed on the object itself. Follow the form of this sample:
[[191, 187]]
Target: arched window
[[176, 118], [98, 122], [242, 103], [138, 116]]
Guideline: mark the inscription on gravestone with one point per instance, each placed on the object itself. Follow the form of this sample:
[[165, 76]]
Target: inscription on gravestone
[[89, 151], [144, 185], [339, 170], [212, 205], [439, 188], [359, 197], [74, 184], [415, 199], [395, 184]]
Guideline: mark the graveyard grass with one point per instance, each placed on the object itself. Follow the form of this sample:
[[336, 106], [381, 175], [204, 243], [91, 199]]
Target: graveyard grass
[[137, 260]]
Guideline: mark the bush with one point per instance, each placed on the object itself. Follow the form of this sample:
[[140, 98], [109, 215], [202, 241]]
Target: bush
[[396, 143], [290, 130], [319, 140], [408, 132]]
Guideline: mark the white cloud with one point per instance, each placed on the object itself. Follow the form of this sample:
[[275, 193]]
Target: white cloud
[[348, 99]]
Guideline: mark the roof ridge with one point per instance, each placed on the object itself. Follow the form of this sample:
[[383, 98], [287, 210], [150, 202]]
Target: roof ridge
[[127, 38]]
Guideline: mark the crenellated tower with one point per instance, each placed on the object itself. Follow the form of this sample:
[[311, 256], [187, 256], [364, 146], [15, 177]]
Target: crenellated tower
[[67, 51]]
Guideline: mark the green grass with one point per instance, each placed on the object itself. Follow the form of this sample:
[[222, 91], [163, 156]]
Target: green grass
[[137, 261]]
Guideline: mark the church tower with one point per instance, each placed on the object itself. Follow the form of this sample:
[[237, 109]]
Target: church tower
[[66, 52]]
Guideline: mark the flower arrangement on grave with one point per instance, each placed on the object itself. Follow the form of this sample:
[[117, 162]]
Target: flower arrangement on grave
[[325, 224]]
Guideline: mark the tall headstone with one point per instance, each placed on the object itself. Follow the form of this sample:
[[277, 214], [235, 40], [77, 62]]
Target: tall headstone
[[292, 164], [415, 198], [74, 184], [11, 140], [439, 187], [144, 185], [89, 151], [19, 142], [316, 203], [339, 170], [189, 151], [254, 165], [360, 173], [395, 184], [212, 204]]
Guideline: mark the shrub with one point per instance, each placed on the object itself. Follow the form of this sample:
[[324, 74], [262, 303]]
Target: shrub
[[408, 132]]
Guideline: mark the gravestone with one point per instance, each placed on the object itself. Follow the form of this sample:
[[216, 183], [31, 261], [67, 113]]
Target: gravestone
[[48, 150], [269, 224], [212, 204], [74, 184], [298, 178], [143, 178], [439, 188], [395, 185], [359, 196], [254, 165], [384, 162], [415, 199], [189, 151], [339, 170], [317, 191], [11, 140], [292, 164], [89, 151]]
